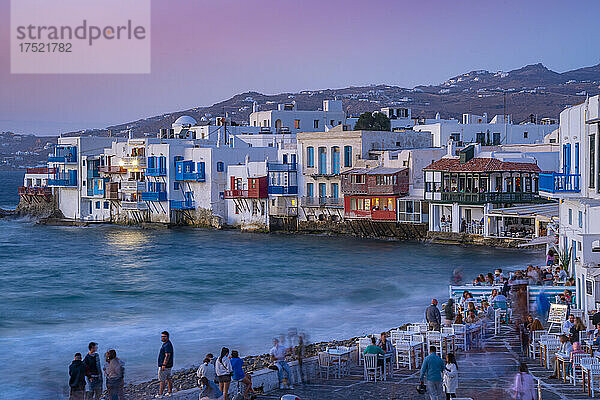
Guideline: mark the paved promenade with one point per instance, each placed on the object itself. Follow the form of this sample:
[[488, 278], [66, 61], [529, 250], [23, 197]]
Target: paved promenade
[[485, 374]]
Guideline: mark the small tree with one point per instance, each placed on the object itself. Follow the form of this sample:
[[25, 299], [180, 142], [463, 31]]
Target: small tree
[[564, 259], [372, 122]]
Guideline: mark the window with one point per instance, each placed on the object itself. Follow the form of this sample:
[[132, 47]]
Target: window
[[322, 160], [455, 136], [310, 192], [580, 219], [297, 124], [480, 137], [220, 166], [97, 205], [106, 205], [570, 216], [496, 138], [310, 157], [335, 160], [175, 185], [347, 156], [316, 124], [525, 135], [335, 192]]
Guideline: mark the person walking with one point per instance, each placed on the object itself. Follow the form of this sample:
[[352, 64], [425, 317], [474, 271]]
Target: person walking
[[450, 378], [431, 373], [114, 370], [433, 316], [524, 386], [93, 372], [224, 371], [165, 364], [278, 353], [77, 378]]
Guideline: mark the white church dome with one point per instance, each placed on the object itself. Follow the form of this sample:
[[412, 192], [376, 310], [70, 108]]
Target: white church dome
[[184, 120]]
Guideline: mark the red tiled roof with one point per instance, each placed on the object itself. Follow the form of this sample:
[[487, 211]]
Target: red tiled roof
[[481, 165]]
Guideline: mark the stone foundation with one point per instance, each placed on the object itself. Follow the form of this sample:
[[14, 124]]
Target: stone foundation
[[469, 239], [38, 207]]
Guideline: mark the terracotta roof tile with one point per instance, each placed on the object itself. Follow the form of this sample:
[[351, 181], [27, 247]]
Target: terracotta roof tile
[[481, 165]]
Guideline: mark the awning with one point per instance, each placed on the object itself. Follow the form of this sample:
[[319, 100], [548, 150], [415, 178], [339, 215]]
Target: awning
[[539, 241]]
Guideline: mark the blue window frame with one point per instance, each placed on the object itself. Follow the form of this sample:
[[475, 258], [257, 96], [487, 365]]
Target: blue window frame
[[97, 205], [570, 216], [310, 157], [322, 190], [322, 160], [335, 191], [175, 185], [335, 160], [576, 158], [106, 205], [347, 156], [220, 166], [580, 219]]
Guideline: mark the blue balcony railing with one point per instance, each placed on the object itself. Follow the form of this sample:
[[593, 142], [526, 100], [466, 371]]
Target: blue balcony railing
[[281, 167], [190, 176], [67, 178], [158, 171], [182, 205], [557, 182], [154, 196], [64, 154], [187, 170], [283, 189]]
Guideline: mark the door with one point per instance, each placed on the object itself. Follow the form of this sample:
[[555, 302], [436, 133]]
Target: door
[[322, 160], [575, 180], [334, 190], [567, 158], [322, 190], [335, 160]]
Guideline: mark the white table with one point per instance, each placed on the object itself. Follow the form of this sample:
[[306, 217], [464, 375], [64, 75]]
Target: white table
[[339, 354]]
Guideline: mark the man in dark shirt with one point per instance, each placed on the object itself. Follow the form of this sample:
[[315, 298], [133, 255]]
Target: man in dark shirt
[[165, 363], [77, 378], [433, 316], [93, 372]]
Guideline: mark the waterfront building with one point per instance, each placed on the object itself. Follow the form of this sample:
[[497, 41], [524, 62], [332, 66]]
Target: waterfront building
[[372, 193], [477, 129], [462, 188], [35, 185], [288, 119], [576, 185], [324, 156]]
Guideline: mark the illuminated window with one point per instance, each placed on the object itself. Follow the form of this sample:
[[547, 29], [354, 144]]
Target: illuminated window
[[297, 124]]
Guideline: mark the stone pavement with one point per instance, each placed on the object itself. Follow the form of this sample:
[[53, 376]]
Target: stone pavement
[[485, 374]]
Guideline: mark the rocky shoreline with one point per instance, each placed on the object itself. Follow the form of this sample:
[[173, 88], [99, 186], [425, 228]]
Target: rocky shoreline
[[184, 379]]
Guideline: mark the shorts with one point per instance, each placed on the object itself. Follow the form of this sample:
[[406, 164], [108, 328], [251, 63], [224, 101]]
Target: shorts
[[164, 375], [223, 378]]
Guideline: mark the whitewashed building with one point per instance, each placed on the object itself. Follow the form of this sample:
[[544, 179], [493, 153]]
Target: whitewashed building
[[576, 184], [288, 119]]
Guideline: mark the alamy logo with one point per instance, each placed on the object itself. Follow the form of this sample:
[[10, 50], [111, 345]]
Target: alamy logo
[[74, 36]]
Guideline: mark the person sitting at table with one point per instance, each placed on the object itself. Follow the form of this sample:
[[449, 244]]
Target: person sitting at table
[[565, 349], [568, 324], [489, 279], [471, 317], [374, 349], [459, 319], [386, 345], [576, 329]]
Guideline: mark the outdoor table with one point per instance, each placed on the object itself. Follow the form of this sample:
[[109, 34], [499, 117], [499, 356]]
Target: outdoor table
[[339, 354], [387, 357], [586, 378], [417, 347], [562, 359]]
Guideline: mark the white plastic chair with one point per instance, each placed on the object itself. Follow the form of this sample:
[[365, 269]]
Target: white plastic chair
[[535, 339], [460, 336], [371, 368], [403, 353], [594, 376], [434, 338], [578, 360], [362, 345], [447, 330]]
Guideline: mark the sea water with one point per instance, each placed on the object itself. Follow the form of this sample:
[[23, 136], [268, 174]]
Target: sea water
[[61, 287]]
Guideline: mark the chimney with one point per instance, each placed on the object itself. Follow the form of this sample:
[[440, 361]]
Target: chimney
[[451, 148]]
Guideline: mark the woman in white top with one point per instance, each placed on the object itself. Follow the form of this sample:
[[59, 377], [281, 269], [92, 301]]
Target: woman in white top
[[223, 370], [207, 369], [524, 388], [450, 378]]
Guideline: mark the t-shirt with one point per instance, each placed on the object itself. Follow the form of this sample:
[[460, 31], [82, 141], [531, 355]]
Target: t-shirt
[[373, 349], [167, 347], [238, 371], [278, 352]]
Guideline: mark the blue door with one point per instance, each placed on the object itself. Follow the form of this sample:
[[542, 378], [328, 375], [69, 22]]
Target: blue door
[[322, 190], [335, 190], [310, 190], [322, 160], [567, 158], [575, 180]]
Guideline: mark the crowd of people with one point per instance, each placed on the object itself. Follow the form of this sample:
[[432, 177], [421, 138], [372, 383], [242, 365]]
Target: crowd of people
[[215, 375]]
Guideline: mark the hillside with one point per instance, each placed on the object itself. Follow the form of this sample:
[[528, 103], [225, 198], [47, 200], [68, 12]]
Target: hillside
[[533, 89]]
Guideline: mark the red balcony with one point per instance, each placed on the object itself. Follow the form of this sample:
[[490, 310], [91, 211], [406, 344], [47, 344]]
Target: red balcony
[[258, 188], [35, 191], [236, 193], [383, 215]]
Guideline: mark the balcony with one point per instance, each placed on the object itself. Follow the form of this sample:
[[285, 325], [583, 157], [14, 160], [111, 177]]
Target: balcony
[[280, 167], [281, 211], [40, 170], [113, 169], [335, 202], [185, 170], [190, 176], [138, 162], [134, 205], [556, 182], [283, 189], [182, 205], [35, 191], [64, 155], [483, 198], [66, 178], [155, 171], [111, 195], [236, 193], [133, 186], [154, 196]]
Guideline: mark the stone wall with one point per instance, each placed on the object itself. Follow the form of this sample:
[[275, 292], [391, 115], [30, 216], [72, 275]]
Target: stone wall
[[469, 239], [38, 207], [365, 228]]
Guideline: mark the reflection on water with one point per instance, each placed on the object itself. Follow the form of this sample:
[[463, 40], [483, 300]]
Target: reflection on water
[[127, 239]]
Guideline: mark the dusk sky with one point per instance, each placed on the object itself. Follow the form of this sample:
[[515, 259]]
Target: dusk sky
[[206, 51]]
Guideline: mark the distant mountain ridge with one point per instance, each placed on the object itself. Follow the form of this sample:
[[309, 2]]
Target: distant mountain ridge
[[532, 89]]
